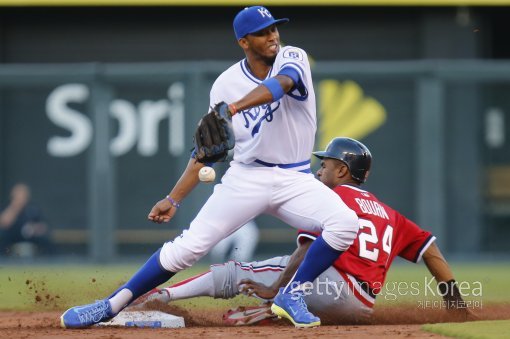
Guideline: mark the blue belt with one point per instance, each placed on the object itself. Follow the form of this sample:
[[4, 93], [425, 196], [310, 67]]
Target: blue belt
[[287, 166]]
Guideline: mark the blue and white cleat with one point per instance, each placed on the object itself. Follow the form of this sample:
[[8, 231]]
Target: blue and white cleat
[[293, 307], [87, 315]]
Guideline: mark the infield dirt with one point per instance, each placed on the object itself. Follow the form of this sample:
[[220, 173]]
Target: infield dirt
[[394, 322]]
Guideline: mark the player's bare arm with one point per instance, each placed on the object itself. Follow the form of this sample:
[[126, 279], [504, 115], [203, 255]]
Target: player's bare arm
[[165, 209], [261, 95], [251, 287], [441, 271], [437, 264]]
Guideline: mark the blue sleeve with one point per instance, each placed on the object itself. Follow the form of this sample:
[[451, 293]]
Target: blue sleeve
[[291, 73], [299, 85]]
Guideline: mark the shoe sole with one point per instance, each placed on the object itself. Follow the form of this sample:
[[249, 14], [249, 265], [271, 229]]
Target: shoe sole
[[256, 315], [281, 313], [62, 324]]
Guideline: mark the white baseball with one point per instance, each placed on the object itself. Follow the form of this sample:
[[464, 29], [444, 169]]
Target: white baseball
[[207, 174]]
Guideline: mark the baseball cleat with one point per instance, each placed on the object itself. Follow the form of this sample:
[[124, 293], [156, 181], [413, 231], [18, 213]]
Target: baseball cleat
[[292, 306], [248, 315], [87, 315], [162, 295]]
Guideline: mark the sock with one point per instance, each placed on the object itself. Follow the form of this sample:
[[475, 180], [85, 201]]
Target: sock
[[120, 300], [201, 285], [150, 275], [319, 257]]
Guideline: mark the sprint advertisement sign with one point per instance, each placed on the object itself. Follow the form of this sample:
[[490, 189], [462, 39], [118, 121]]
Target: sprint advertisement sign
[[344, 109], [139, 123]]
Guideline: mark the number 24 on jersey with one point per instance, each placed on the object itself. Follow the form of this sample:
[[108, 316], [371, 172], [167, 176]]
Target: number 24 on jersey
[[371, 237]]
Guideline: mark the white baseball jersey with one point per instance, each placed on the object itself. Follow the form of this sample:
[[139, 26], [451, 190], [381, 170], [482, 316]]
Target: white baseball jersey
[[282, 132]]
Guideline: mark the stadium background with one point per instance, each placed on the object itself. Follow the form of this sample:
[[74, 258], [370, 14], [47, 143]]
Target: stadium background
[[430, 82]]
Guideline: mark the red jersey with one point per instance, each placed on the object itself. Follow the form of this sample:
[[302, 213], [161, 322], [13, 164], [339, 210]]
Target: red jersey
[[383, 234]]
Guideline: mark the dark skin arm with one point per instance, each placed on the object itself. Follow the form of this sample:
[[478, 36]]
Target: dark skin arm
[[163, 211], [249, 287], [441, 271], [437, 264], [261, 95]]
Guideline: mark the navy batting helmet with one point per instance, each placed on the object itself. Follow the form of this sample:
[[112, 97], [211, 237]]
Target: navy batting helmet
[[351, 152]]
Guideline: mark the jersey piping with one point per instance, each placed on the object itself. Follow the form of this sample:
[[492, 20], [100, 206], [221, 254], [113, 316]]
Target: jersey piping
[[424, 247], [249, 74]]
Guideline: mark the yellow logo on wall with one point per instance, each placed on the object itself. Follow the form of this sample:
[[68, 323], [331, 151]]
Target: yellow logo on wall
[[345, 111]]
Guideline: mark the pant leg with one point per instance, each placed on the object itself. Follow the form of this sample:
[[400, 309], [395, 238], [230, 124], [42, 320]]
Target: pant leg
[[245, 242], [238, 246], [334, 302], [227, 276], [331, 298], [304, 202], [219, 252], [243, 194]]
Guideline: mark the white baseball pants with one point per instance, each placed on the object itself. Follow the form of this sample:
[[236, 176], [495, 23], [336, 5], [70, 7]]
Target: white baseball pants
[[246, 191]]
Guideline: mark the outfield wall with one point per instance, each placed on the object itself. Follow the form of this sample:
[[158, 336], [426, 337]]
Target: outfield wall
[[100, 143], [97, 110]]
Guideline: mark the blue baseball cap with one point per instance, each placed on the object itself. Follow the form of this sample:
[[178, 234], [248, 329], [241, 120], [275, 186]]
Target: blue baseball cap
[[253, 19]]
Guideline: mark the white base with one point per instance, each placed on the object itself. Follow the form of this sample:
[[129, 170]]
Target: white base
[[147, 319]]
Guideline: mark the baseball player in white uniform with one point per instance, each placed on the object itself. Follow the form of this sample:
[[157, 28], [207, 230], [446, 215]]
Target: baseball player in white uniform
[[273, 115]]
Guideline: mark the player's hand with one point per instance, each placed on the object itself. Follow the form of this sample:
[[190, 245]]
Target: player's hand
[[462, 314], [163, 211], [250, 287], [471, 315], [466, 314]]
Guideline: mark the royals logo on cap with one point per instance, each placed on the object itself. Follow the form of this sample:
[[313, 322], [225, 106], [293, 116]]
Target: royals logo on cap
[[253, 19], [264, 12]]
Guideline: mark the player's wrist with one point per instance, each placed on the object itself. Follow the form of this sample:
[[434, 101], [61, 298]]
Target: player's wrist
[[173, 202], [275, 287], [232, 109], [451, 294]]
